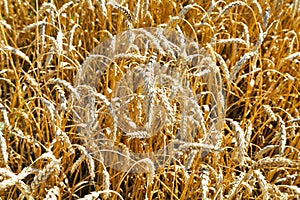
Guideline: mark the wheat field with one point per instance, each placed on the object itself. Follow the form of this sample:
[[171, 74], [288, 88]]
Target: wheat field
[[235, 116]]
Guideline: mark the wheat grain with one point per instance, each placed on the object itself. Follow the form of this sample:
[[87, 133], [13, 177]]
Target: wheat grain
[[51, 108], [296, 6], [33, 25], [256, 3], [261, 38], [128, 56], [49, 56], [208, 147], [91, 166], [5, 5], [150, 90], [137, 12], [95, 195], [138, 134], [89, 158], [223, 65], [167, 105]]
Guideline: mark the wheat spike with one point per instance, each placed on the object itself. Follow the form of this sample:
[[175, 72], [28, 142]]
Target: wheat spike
[[204, 176], [17, 52], [64, 7], [240, 63], [263, 184], [282, 131], [241, 142], [236, 186], [53, 193], [5, 24], [59, 41], [275, 162], [102, 6], [231, 5], [145, 8], [4, 153], [77, 163], [53, 166], [90, 5], [5, 115], [106, 183], [123, 9], [71, 36], [270, 112]]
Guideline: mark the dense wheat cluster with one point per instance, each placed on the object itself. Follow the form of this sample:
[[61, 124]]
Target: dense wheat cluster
[[252, 49]]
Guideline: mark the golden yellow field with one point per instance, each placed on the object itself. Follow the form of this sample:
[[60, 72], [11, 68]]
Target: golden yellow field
[[219, 86]]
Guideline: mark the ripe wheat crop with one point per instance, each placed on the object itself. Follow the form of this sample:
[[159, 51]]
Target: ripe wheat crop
[[193, 100]]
